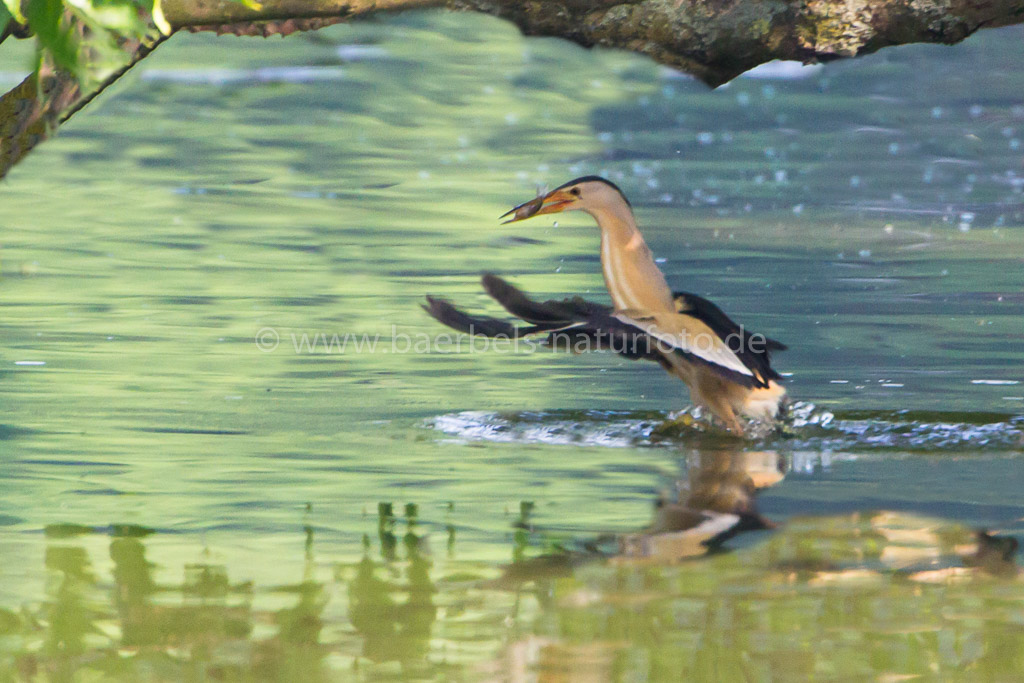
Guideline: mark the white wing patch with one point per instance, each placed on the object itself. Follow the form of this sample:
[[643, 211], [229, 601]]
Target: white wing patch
[[706, 346], [566, 327]]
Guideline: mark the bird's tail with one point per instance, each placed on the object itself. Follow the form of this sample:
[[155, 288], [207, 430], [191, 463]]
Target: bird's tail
[[763, 403]]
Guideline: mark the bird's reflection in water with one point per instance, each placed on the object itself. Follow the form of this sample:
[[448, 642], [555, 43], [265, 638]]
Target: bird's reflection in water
[[716, 502], [712, 503], [644, 610]]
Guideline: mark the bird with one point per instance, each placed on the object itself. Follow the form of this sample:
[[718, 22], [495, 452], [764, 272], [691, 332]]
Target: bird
[[726, 367]]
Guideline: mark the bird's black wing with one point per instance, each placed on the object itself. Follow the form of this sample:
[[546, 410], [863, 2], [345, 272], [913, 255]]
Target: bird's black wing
[[602, 331], [445, 313], [753, 350], [543, 313], [571, 324]]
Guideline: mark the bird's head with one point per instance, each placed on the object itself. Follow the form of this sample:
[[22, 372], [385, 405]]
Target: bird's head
[[591, 193]]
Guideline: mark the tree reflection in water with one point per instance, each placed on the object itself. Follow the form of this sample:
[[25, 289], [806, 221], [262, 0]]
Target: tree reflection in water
[[856, 593], [394, 629]]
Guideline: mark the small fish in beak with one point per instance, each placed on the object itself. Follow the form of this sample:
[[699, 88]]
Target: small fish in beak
[[524, 211], [552, 202]]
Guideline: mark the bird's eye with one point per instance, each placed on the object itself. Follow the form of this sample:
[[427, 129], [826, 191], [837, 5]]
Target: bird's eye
[[575, 191]]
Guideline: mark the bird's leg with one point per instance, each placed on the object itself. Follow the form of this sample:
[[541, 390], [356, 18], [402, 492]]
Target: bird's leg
[[734, 426], [722, 409], [716, 395]]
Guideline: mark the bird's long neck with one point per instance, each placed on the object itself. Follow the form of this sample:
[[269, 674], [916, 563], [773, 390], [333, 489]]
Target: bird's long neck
[[633, 279]]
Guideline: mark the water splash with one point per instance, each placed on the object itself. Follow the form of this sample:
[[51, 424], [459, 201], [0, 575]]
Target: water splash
[[593, 428], [805, 427]]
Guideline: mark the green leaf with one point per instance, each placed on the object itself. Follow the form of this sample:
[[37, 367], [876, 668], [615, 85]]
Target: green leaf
[[5, 17], [45, 18], [13, 8], [159, 19], [122, 18]]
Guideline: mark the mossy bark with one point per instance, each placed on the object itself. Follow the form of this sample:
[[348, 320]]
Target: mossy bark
[[30, 111], [716, 40]]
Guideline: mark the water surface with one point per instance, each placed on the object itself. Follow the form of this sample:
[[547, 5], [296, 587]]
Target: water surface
[[183, 497]]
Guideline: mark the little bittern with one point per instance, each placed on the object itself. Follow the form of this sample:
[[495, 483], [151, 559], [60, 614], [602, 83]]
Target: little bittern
[[727, 368]]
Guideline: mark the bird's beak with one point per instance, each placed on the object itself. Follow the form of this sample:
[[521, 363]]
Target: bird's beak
[[552, 202]]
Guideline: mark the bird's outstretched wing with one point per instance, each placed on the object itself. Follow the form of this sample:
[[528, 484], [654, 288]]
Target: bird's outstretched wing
[[753, 349], [445, 313], [579, 325], [693, 340], [571, 325]]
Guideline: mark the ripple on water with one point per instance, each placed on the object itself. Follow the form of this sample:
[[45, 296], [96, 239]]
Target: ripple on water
[[805, 427], [616, 430]]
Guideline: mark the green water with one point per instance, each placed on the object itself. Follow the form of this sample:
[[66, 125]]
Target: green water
[[177, 502]]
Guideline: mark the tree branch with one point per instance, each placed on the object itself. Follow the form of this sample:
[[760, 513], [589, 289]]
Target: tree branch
[[29, 113], [715, 40], [186, 13]]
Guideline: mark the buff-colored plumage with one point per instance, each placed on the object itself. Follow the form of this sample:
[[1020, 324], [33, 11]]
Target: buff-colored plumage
[[687, 335], [641, 295]]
